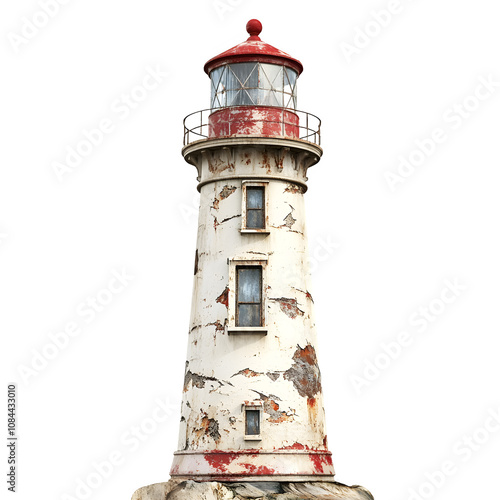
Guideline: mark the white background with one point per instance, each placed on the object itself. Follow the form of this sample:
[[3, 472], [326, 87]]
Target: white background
[[129, 204]]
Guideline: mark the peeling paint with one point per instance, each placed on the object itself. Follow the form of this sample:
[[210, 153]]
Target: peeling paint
[[293, 188], [219, 327], [289, 221], [209, 427], [306, 293], [271, 407], [273, 375], [247, 372], [223, 298], [304, 373], [217, 223], [220, 461], [261, 470], [321, 461], [226, 192], [289, 307], [196, 262], [198, 380]]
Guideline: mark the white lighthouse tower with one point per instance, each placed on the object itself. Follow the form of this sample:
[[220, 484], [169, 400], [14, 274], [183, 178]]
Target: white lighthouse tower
[[252, 408]]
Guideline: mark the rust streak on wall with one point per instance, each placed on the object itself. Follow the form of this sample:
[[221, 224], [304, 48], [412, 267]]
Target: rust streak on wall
[[271, 407], [223, 298], [305, 374], [289, 307]]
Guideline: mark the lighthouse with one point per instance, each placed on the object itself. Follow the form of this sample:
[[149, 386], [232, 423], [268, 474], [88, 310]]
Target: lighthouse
[[252, 407], [252, 420]]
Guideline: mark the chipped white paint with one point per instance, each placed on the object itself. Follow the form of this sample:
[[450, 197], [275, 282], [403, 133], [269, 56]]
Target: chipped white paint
[[273, 365]]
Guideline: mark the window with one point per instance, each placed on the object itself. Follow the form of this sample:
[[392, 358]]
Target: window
[[247, 284], [249, 296], [253, 417], [255, 207], [252, 422], [255, 211]]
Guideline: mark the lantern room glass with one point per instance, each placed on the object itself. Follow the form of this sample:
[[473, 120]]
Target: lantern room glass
[[253, 84]]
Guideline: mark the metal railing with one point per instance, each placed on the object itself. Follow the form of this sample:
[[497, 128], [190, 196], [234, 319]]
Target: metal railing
[[197, 126]]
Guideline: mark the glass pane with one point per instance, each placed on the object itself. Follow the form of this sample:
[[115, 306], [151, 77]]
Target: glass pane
[[220, 82], [253, 96], [215, 76], [249, 315], [291, 76], [271, 76], [232, 83], [290, 88], [246, 73], [255, 219], [249, 284], [252, 423], [270, 98], [255, 197], [231, 97], [242, 99], [288, 101]]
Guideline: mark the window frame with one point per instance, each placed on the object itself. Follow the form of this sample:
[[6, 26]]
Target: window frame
[[238, 302], [252, 406], [251, 184], [246, 261]]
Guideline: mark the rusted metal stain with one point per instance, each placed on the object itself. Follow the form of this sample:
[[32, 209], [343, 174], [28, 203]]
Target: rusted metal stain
[[265, 162], [305, 374], [271, 407], [209, 427], [306, 293], [278, 160], [219, 327], [225, 193], [223, 298], [247, 373], [293, 188], [289, 307], [216, 165]]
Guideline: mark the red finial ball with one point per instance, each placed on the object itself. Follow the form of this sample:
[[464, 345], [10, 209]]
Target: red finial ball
[[254, 27]]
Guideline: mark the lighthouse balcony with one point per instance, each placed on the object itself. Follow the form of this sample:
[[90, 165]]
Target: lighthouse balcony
[[252, 121]]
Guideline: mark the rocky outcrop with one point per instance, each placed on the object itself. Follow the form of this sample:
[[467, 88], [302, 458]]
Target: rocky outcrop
[[192, 490]]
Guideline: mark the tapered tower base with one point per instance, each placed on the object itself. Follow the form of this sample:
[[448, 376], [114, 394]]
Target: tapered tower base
[[191, 490]]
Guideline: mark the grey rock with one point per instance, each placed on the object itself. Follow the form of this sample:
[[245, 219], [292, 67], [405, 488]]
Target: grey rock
[[192, 490]]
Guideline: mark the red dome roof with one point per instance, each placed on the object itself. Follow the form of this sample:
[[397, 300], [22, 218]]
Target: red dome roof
[[254, 49]]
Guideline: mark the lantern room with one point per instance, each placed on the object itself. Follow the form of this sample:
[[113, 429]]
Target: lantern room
[[253, 91]]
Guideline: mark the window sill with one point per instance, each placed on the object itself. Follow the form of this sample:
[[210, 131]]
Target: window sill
[[237, 330], [253, 438], [254, 231]]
